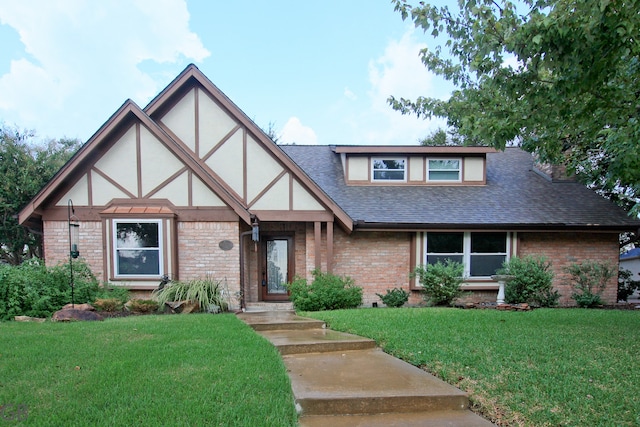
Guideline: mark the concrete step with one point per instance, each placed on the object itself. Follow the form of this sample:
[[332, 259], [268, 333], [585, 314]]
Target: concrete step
[[269, 306], [278, 320], [316, 341], [409, 419], [366, 382]]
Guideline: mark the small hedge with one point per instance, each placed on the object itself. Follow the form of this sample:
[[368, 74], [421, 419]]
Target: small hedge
[[32, 289], [440, 282], [395, 297], [326, 292], [532, 282]]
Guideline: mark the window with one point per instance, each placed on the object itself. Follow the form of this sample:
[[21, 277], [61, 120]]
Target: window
[[137, 248], [481, 253], [389, 169], [443, 170]]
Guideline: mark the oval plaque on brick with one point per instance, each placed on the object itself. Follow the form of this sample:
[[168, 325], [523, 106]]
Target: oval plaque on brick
[[226, 245]]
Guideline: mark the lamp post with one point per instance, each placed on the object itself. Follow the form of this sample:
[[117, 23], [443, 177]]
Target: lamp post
[[74, 239]]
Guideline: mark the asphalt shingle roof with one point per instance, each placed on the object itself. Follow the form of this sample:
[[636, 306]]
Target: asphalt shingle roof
[[515, 196]]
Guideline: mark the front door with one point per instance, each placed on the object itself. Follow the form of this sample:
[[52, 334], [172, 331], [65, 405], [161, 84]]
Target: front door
[[277, 267]]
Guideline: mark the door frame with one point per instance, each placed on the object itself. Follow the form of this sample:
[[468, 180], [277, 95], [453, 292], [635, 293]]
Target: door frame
[[262, 285]]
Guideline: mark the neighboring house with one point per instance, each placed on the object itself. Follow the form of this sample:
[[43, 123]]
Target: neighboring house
[[176, 188], [630, 260]]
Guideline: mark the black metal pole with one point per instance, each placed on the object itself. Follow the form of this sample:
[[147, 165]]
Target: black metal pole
[[69, 211]]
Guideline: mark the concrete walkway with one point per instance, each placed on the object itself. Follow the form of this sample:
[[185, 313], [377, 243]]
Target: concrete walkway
[[341, 379]]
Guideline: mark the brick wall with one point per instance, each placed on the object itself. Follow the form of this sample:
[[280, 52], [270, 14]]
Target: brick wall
[[199, 253], [56, 244], [377, 261], [564, 249]]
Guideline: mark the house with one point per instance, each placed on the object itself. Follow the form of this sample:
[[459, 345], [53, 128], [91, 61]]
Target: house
[[189, 186]]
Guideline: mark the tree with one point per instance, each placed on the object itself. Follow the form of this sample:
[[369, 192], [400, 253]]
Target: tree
[[25, 167], [560, 77]]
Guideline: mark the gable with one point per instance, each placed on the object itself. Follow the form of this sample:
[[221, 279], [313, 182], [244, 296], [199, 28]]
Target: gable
[[235, 154], [138, 165], [191, 148]]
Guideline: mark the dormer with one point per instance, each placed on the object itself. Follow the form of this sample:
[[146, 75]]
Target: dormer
[[414, 165]]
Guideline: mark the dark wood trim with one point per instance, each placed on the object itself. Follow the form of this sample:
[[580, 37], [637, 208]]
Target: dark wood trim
[[317, 243], [293, 216], [139, 159], [112, 182], [291, 183], [165, 183], [267, 188], [182, 214], [330, 247], [196, 119], [190, 187], [412, 258], [105, 251], [411, 149], [245, 172], [218, 144], [89, 188]]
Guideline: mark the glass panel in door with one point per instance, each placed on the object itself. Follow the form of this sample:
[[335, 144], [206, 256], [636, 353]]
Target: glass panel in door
[[277, 267]]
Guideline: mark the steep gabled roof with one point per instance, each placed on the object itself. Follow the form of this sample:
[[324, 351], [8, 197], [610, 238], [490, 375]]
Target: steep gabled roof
[[149, 117], [515, 197]]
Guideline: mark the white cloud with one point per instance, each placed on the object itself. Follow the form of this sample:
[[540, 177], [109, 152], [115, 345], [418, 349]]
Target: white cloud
[[295, 132], [398, 72], [85, 55]]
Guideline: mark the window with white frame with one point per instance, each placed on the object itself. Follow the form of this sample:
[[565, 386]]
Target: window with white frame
[[481, 253], [389, 169], [443, 170], [137, 247]]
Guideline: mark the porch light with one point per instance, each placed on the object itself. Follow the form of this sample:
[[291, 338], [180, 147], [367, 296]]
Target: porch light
[[255, 230], [74, 240]]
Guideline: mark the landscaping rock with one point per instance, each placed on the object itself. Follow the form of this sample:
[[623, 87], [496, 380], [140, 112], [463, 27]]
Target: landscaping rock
[[185, 307], [29, 319], [74, 314], [83, 307]]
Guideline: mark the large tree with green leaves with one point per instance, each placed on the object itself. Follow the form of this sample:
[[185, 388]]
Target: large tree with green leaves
[[559, 77], [25, 166]]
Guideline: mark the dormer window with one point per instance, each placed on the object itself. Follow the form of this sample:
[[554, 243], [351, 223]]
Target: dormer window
[[389, 169], [445, 170]]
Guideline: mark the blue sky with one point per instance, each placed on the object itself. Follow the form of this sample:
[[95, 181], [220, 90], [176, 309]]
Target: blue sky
[[320, 72]]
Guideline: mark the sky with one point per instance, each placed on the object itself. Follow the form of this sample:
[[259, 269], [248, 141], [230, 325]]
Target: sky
[[317, 72]]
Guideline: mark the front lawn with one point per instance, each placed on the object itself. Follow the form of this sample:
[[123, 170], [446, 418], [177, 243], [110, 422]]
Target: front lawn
[[547, 367], [182, 370]]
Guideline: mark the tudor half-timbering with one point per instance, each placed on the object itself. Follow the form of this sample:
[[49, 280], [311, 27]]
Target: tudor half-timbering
[[177, 187]]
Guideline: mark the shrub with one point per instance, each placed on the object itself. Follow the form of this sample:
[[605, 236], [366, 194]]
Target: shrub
[[326, 292], [206, 292], [143, 305], [589, 279], [440, 282], [532, 282], [108, 304], [32, 289], [626, 285], [395, 297]]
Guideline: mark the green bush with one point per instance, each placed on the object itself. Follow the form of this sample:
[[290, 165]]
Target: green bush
[[626, 285], [206, 292], [32, 289], [326, 292], [589, 279], [440, 282], [532, 282], [109, 305], [395, 297]]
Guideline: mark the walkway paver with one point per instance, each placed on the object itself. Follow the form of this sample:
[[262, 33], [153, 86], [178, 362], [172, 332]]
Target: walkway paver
[[341, 379]]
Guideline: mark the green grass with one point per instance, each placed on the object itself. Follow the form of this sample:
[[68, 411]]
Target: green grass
[[547, 367], [181, 370]]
